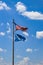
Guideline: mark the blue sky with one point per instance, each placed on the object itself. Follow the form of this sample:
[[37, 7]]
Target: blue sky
[[28, 14]]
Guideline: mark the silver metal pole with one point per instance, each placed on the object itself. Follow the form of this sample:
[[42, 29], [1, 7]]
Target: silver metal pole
[[13, 44]]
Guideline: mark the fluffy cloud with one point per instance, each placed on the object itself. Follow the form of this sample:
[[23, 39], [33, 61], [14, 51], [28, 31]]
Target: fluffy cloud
[[39, 34], [2, 50], [33, 15], [24, 61], [20, 7], [25, 33], [29, 50], [8, 28], [2, 33], [3, 5]]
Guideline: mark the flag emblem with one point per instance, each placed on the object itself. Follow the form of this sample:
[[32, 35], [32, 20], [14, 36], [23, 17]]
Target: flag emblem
[[20, 27], [19, 37]]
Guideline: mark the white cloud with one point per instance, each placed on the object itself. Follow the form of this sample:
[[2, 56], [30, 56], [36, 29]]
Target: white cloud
[[34, 15], [2, 33], [2, 50], [26, 58], [8, 27], [20, 7], [25, 33], [29, 50], [3, 5], [9, 30], [27, 62], [24, 61], [39, 34]]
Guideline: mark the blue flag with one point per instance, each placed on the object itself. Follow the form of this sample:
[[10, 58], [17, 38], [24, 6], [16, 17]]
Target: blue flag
[[19, 37]]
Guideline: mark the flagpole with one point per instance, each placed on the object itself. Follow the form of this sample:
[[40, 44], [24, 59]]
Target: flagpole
[[13, 44]]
